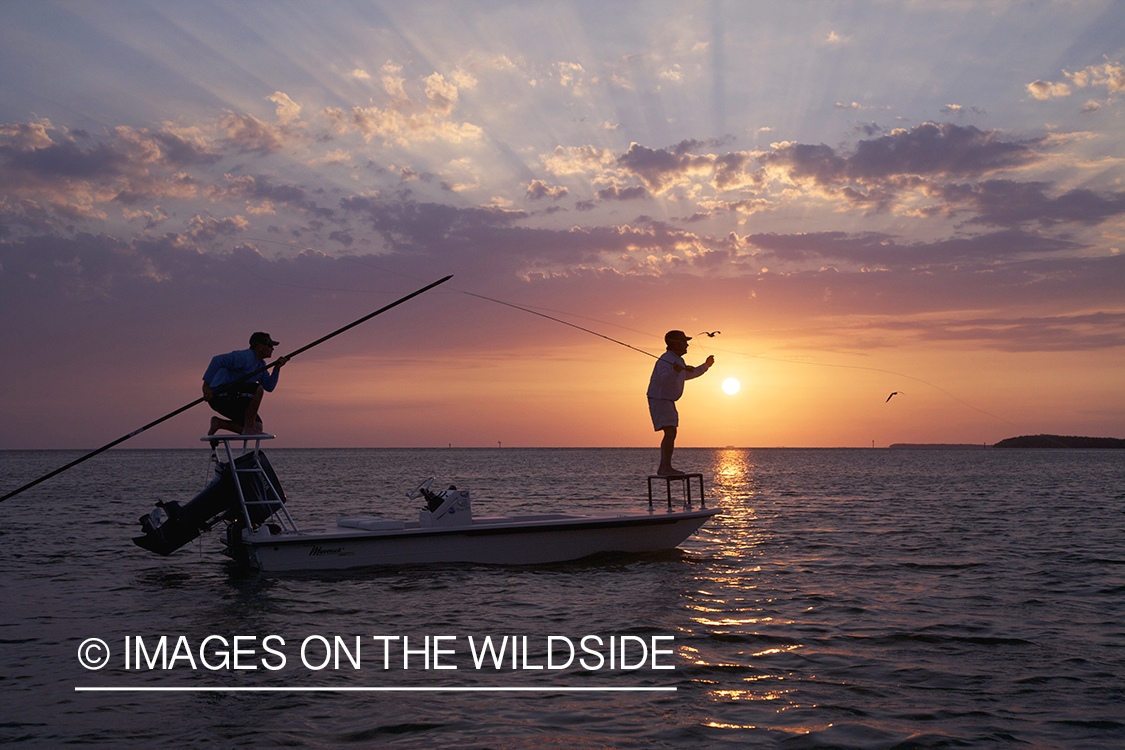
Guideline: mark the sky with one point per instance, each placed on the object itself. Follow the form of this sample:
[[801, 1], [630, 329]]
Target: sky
[[862, 198]]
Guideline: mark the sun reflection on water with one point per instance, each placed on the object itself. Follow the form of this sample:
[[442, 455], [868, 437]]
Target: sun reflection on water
[[735, 609]]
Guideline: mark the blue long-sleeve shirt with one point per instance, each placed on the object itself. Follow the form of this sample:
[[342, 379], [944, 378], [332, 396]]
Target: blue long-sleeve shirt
[[227, 368]]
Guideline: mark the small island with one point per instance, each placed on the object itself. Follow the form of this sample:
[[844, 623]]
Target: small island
[[1060, 441]]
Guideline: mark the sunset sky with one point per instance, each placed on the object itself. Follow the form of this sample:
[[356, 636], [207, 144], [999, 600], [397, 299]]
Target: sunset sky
[[863, 197]]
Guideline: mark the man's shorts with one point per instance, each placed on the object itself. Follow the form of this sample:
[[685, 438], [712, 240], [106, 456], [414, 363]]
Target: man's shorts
[[232, 403], [663, 413]]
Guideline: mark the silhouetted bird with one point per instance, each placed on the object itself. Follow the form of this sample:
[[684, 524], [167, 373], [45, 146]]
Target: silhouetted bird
[[708, 334], [892, 396]]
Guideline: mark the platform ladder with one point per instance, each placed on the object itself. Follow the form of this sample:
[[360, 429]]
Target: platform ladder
[[254, 466]]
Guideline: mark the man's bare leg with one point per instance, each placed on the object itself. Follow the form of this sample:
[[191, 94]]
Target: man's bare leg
[[224, 424], [251, 425], [667, 446]]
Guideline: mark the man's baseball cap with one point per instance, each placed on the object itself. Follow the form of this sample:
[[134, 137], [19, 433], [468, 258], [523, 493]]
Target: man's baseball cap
[[262, 338], [676, 336]]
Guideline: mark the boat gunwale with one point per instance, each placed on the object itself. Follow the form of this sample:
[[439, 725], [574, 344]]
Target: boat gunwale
[[324, 534]]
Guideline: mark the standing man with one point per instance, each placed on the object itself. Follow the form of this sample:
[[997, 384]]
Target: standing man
[[665, 387], [239, 404]]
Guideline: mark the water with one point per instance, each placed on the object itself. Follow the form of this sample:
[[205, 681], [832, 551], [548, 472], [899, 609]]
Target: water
[[845, 599]]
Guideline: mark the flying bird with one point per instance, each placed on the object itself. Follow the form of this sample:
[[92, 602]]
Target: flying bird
[[892, 396], [708, 334]]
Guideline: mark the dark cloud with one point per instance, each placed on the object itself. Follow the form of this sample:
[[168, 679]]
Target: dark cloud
[[180, 152], [928, 150], [427, 226], [1008, 203], [729, 170], [251, 188], [614, 193], [947, 150], [68, 159], [1060, 333], [873, 173], [690, 144], [539, 189], [882, 250], [658, 167]]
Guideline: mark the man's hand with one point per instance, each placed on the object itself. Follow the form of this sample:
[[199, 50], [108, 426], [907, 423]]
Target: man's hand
[[710, 359], [207, 392], [281, 361]]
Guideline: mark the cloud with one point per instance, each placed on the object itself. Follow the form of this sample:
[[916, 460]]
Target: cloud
[[287, 109], [1043, 90], [73, 173], [1059, 333], [68, 160], [152, 218], [248, 134], [1109, 74], [615, 193], [874, 173], [945, 150], [250, 188], [26, 136], [880, 250], [660, 168], [208, 229], [184, 147], [571, 77], [578, 159], [1008, 203], [405, 121], [539, 189]]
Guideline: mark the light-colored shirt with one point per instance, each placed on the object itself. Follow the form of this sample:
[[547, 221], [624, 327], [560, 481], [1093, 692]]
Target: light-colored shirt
[[668, 384], [227, 368]]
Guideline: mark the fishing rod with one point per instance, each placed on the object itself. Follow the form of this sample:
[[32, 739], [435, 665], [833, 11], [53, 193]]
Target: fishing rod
[[223, 388], [557, 320]]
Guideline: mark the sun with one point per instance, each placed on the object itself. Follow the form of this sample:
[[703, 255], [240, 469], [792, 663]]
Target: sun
[[731, 386]]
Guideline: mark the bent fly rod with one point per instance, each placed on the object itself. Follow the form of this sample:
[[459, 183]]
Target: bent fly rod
[[243, 379]]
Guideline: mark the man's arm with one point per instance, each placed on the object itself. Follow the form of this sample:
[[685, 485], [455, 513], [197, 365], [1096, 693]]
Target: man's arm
[[695, 372], [270, 381]]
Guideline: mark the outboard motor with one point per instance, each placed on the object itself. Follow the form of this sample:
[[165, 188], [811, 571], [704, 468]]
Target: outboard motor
[[171, 525]]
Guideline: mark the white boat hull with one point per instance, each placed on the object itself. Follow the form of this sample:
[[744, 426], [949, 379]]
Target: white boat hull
[[519, 540]]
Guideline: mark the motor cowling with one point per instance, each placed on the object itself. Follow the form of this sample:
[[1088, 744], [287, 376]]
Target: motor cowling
[[171, 525]]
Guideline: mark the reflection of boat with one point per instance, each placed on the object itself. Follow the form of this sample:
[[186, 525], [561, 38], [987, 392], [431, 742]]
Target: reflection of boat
[[262, 535]]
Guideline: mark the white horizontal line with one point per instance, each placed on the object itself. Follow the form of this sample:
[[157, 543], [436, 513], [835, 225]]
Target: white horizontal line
[[373, 689]]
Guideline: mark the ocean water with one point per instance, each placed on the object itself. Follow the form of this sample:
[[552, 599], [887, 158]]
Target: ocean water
[[844, 599]]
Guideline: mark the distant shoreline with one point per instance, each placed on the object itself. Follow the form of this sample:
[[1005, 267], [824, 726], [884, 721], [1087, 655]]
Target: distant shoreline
[[1060, 441]]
